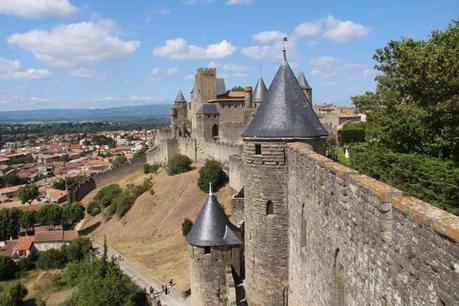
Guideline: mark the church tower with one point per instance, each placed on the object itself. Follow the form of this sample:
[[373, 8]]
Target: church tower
[[284, 116], [211, 241]]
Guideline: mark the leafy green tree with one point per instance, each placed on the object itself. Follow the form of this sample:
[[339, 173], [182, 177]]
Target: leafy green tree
[[352, 132], [72, 213], [51, 259], [415, 108], [177, 164], [8, 268], [11, 179], [150, 168], [187, 224], [237, 88], [27, 193], [211, 173], [78, 249], [50, 215], [9, 223], [27, 220], [119, 161], [13, 295]]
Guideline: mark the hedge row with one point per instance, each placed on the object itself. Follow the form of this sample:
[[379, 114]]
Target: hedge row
[[433, 180]]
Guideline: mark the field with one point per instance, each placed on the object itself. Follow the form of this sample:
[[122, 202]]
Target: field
[[44, 286], [150, 233]]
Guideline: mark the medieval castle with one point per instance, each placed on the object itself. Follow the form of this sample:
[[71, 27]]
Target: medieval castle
[[303, 229]]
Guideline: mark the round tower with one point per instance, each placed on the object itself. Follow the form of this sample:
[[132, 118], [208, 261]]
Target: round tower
[[211, 240], [284, 116]]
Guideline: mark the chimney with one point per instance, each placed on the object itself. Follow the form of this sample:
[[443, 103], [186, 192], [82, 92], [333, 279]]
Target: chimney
[[248, 96]]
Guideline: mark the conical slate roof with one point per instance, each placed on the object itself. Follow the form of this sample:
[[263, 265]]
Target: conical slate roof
[[285, 111], [212, 227], [180, 98], [260, 91], [303, 82]]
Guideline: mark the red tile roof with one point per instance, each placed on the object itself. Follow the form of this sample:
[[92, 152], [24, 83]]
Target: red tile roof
[[24, 243], [58, 235]]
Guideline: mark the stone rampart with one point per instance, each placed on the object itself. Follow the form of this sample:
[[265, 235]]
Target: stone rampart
[[356, 241], [236, 173], [113, 175]]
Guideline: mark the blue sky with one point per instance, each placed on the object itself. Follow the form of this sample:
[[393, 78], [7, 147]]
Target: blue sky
[[106, 53]]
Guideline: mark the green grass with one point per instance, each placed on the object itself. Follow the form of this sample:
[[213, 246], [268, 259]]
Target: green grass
[[341, 158]]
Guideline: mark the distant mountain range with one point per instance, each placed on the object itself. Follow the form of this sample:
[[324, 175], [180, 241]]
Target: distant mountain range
[[154, 112]]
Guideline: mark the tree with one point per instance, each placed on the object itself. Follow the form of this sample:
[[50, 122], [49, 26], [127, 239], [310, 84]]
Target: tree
[[27, 220], [50, 215], [177, 164], [119, 161], [352, 132], [27, 193], [11, 179], [13, 295], [237, 88], [150, 168], [8, 268], [78, 249], [51, 259], [187, 224], [72, 213], [211, 173], [415, 108]]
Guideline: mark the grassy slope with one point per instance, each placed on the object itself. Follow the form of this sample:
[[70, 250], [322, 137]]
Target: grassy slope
[[150, 233]]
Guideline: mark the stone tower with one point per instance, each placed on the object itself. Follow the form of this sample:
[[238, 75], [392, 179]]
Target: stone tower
[[284, 116], [305, 87], [179, 116], [210, 240], [207, 122], [205, 89]]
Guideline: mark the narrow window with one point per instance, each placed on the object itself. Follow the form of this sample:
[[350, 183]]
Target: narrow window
[[206, 250], [269, 208], [258, 149]]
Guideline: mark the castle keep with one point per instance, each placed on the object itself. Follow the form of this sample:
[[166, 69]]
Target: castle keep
[[303, 230]]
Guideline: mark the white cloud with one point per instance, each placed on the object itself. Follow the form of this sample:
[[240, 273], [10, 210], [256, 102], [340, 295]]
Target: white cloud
[[236, 2], [333, 29], [157, 74], [189, 77], [328, 66], [308, 29], [271, 50], [179, 49], [343, 31], [37, 8], [86, 73], [268, 36], [12, 70], [323, 65], [72, 44]]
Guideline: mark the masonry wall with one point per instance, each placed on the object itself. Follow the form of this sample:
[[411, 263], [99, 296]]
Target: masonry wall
[[356, 241], [113, 175], [236, 173]]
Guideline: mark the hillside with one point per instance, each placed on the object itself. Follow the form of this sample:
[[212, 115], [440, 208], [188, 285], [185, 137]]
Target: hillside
[[155, 112], [150, 233]]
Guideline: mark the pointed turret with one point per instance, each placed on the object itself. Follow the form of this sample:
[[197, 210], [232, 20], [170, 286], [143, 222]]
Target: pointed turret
[[212, 227], [303, 82], [260, 91], [286, 111], [180, 98]]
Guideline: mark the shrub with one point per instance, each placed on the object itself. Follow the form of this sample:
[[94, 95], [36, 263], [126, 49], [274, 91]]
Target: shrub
[[150, 168], [8, 268], [352, 132], [119, 161], [431, 179], [178, 164], [107, 194], [51, 259], [212, 172], [93, 208], [13, 294], [187, 224]]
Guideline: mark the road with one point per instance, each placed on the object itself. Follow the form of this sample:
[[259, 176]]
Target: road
[[143, 279]]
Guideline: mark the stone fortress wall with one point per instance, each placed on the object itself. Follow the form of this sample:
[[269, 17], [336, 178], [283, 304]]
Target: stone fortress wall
[[356, 241]]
